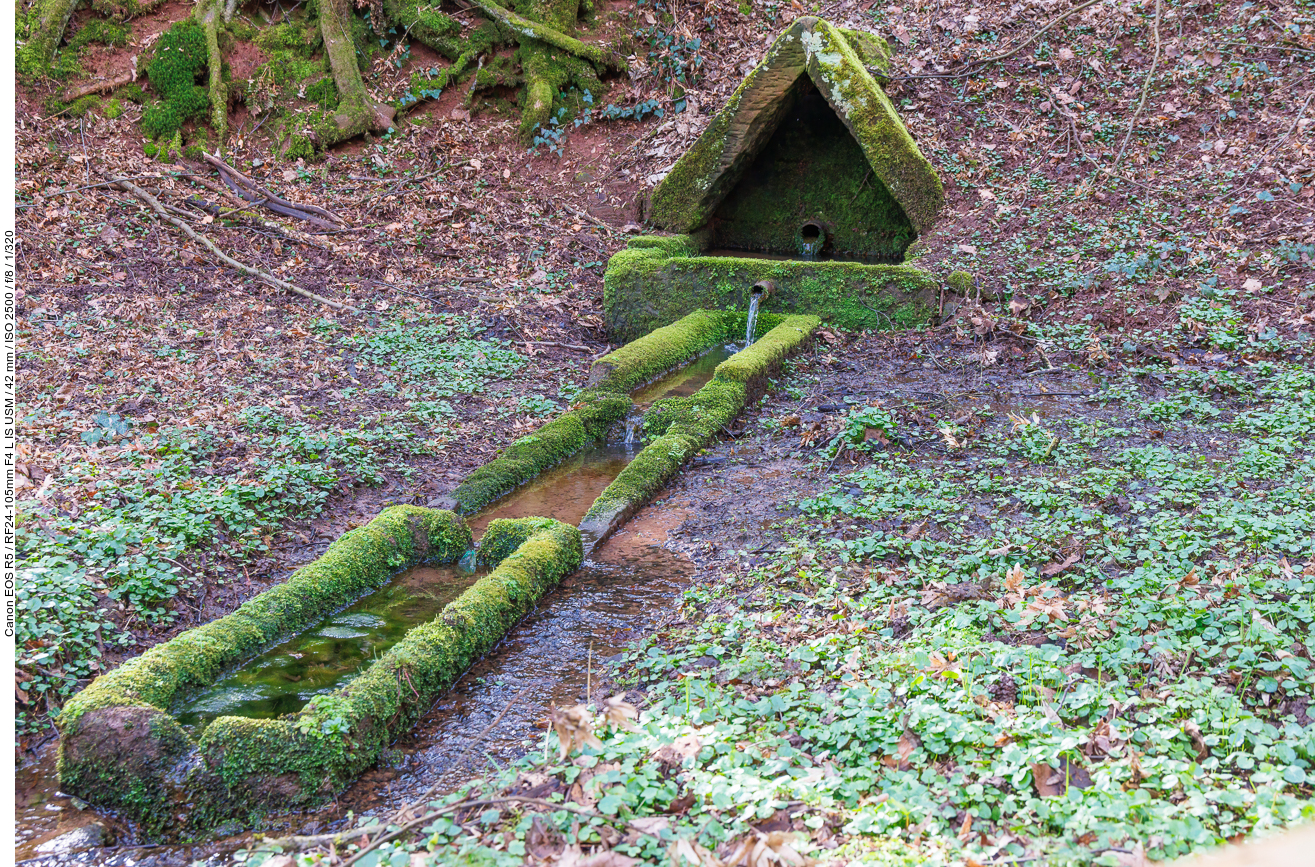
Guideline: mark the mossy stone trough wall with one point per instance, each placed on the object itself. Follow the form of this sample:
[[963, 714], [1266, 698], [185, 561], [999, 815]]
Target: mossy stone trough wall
[[684, 425], [121, 748], [650, 283], [605, 401]]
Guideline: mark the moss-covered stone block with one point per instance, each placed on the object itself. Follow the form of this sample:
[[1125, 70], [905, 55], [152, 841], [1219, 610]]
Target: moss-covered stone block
[[314, 753], [647, 286], [605, 401], [646, 358], [119, 746], [685, 425]]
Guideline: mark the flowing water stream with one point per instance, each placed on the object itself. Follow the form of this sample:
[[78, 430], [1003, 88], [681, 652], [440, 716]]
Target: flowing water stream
[[755, 299]]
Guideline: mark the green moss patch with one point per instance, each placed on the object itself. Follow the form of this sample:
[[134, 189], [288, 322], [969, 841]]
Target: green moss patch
[[687, 424], [180, 59], [643, 360]]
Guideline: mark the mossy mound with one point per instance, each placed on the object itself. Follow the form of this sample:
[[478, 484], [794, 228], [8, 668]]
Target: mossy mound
[[180, 61]]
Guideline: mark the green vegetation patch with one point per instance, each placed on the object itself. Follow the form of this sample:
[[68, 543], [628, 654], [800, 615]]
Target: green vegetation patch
[[180, 60]]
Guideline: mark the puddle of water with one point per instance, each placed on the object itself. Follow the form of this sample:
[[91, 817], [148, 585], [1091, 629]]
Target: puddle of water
[[321, 659], [687, 380], [543, 663]]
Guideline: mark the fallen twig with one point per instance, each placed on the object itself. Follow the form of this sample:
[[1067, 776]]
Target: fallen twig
[[252, 190], [98, 186], [159, 209], [996, 58], [572, 346], [1145, 89], [99, 86]]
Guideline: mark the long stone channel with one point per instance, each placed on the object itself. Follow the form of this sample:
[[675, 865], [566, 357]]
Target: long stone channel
[[282, 703]]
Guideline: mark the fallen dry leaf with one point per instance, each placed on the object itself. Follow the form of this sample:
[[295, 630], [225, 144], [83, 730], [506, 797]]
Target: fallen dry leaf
[[574, 729], [1056, 567]]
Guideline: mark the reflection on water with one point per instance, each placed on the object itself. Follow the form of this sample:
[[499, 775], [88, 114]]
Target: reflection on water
[[566, 491], [323, 658]]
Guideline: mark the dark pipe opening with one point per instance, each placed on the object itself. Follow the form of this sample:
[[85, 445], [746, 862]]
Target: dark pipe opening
[[764, 288], [810, 232]]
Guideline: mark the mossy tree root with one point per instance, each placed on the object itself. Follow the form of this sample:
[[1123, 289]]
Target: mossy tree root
[[207, 14], [357, 112], [548, 30], [51, 20]]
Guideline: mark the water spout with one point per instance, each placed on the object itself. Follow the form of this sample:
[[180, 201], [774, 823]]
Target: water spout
[[754, 300], [757, 295], [810, 241], [634, 425]]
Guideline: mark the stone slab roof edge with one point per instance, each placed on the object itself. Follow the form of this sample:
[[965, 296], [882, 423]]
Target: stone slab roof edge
[[690, 193]]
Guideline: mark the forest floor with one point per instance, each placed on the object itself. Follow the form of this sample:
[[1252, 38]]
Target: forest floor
[[188, 435]]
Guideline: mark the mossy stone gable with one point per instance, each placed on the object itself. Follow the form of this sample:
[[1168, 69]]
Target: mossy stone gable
[[810, 55]]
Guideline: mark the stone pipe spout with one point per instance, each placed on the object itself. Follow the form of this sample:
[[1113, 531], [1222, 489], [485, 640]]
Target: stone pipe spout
[[810, 240]]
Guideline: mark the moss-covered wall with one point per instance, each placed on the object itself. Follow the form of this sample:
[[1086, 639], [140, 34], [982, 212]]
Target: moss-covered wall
[[812, 171], [604, 402], [809, 53], [120, 748], [647, 286], [686, 424]]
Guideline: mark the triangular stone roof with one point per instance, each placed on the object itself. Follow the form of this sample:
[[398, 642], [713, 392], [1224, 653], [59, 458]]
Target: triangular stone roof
[[835, 61]]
